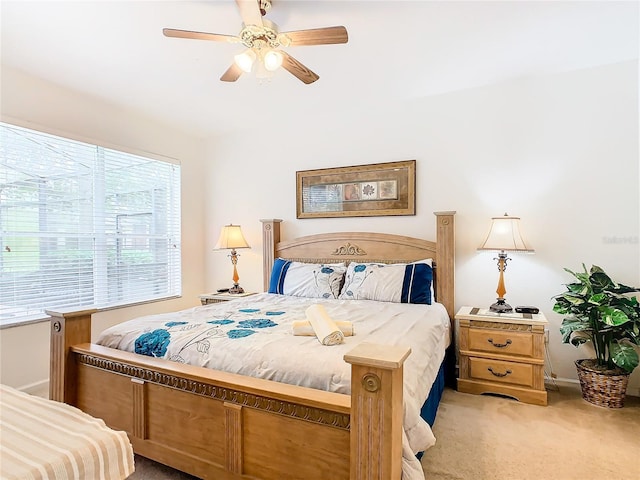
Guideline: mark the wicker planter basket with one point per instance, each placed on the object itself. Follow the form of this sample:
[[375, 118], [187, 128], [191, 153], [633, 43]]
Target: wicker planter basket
[[603, 388]]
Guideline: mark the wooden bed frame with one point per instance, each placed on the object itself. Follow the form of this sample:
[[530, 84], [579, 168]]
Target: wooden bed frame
[[214, 424]]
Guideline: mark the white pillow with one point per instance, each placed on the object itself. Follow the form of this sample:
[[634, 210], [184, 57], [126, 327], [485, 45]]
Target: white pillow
[[309, 280], [398, 282]]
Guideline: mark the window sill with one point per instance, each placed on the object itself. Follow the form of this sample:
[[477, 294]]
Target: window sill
[[23, 320], [43, 317]]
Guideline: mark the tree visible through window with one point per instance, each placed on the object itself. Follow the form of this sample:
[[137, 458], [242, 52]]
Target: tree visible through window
[[83, 226]]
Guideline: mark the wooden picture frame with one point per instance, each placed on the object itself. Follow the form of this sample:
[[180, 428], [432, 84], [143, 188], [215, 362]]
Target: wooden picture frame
[[360, 191]]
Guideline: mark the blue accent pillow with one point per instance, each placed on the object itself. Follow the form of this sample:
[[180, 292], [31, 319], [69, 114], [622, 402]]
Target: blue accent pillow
[[416, 286], [309, 280], [399, 282], [278, 274]]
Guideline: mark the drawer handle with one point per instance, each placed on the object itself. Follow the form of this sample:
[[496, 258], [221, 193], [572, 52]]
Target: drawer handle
[[499, 374], [499, 345]]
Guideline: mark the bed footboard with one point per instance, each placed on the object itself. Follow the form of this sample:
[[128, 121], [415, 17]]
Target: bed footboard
[[219, 425], [68, 328]]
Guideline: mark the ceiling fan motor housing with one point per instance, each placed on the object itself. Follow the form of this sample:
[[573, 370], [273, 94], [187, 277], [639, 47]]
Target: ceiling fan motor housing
[[252, 35]]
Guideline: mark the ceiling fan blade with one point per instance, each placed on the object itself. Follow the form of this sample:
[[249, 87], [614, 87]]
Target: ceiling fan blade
[[232, 74], [250, 12], [216, 37], [316, 36], [297, 69]]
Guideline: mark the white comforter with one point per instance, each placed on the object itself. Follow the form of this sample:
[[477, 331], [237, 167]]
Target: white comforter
[[253, 336]]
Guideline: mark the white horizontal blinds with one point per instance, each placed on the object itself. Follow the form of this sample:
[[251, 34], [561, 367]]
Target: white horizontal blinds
[[141, 222], [45, 185], [83, 226]]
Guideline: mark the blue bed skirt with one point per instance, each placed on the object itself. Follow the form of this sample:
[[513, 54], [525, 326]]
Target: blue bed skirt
[[430, 407]]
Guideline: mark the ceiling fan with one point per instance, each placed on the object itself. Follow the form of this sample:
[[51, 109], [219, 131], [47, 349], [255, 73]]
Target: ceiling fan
[[264, 41]]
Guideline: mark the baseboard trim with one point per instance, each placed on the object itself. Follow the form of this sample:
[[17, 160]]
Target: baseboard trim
[[572, 382], [562, 382], [39, 389]]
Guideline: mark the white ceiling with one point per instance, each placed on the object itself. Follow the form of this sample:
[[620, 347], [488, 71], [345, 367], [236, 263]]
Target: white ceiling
[[397, 50]]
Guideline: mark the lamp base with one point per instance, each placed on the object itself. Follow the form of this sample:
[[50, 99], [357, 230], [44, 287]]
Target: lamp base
[[238, 289], [501, 307]]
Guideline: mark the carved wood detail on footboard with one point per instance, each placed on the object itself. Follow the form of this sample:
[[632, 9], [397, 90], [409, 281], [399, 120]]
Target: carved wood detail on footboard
[[214, 424], [222, 393]]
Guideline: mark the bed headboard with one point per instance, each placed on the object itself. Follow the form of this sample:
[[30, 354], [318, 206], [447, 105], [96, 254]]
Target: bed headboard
[[368, 247]]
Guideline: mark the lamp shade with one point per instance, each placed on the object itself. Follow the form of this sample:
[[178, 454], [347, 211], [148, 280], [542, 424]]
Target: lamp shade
[[272, 60], [245, 60], [504, 234], [231, 237]]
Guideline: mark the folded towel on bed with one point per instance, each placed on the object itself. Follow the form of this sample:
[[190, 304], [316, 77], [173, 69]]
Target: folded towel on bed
[[303, 328], [325, 328]]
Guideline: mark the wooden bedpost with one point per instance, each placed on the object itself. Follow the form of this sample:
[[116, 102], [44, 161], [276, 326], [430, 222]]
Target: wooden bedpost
[[270, 238], [376, 411], [67, 328], [445, 260]]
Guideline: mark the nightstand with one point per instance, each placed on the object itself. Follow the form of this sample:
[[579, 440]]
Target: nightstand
[[502, 353], [209, 298]]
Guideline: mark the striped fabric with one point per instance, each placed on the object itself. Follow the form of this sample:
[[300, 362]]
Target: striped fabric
[[416, 284], [43, 439], [278, 274]]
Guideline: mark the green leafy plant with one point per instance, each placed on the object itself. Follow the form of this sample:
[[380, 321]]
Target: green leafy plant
[[600, 311]]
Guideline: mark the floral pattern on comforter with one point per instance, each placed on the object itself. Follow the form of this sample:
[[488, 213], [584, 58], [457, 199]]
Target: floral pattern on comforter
[[253, 336]]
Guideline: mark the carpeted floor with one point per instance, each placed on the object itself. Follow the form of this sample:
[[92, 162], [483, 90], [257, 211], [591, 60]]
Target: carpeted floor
[[490, 438], [150, 470]]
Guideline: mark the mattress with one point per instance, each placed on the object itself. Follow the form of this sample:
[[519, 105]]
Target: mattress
[[43, 439], [253, 336]]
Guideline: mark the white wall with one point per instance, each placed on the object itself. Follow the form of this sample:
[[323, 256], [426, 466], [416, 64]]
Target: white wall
[[32, 103], [535, 147], [560, 151]]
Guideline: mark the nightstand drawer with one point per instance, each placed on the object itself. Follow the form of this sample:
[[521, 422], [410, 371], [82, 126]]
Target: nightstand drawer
[[502, 372], [500, 341], [210, 298], [502, 354]]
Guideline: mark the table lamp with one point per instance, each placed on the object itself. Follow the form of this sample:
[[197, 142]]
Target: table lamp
[[504, 235], [231, 238]]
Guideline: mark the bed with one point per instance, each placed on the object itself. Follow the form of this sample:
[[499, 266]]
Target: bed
[[45, 439], [214, 423]]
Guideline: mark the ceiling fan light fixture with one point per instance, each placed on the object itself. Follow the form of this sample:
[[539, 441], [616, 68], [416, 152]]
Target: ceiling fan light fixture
[[245, 60], [272, 60], [262, 39]]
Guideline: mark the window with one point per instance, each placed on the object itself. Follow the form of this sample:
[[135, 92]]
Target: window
[[83, 226]]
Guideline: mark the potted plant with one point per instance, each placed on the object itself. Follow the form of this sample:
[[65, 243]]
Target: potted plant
[[601, 311]]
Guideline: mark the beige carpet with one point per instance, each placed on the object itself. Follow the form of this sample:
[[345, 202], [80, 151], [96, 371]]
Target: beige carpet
[[484, 438]]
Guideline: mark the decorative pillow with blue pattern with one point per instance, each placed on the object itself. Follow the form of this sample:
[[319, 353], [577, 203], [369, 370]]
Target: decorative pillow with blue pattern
[[309, 280], [398, 282]]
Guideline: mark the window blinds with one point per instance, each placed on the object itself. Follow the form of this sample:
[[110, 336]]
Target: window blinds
[[83, 226]]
